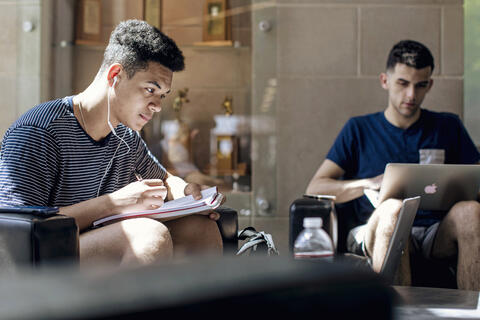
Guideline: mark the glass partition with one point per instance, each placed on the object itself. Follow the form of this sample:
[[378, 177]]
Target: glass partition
[[472, 68], [207, 131]]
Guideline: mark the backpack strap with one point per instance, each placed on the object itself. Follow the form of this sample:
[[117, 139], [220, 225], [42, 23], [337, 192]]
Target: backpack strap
[[254, 238], [271, 246], [246, 233], [248, 245]]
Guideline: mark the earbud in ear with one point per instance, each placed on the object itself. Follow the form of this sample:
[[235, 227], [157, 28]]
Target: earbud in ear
[[114, 81]]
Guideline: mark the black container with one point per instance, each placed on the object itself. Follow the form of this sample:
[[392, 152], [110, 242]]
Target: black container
[[312, 207]]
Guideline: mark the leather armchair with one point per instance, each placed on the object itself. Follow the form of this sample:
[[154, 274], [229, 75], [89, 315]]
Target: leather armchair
[[35, 240], [228, 226]]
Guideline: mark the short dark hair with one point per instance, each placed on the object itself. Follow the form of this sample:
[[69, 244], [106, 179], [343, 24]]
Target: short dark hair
[[412, 53], [135, 43]]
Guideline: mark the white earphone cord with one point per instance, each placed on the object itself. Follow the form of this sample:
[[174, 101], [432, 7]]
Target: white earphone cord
[[115, 134]]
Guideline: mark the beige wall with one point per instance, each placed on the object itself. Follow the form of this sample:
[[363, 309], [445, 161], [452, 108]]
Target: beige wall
[[25, 57], [329, 55]]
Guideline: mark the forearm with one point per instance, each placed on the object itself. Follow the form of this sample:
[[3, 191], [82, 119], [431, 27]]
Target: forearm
[[86, 212], [343, 190]]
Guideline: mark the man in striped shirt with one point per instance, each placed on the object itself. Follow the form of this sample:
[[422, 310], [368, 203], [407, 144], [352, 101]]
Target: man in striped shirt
[[83, 154]]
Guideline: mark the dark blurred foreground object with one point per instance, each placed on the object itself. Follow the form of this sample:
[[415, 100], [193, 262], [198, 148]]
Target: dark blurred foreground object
[[210, 288]]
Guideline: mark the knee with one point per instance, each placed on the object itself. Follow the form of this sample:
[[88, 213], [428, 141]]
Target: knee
[[388, 215], [148, 240], [389, 209], [466, 218], [205, 232], [393, 204]]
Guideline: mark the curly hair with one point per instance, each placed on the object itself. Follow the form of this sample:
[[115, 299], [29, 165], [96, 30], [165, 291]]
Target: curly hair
[[135, 43], [412, 53]]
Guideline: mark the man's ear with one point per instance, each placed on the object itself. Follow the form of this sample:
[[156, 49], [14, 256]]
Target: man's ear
[[384, 80], [114, 71], [430, 85]]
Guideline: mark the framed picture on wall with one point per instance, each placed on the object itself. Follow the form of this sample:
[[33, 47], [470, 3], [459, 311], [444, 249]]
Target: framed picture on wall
[[215, 21], [89, 22], [152, 12]]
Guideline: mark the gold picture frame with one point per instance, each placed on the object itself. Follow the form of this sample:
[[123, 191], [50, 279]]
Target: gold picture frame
[[89, 22], [216, 24], [152, 12]]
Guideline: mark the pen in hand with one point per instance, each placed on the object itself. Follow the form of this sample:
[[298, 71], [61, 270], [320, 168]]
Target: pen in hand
[[138, 176]]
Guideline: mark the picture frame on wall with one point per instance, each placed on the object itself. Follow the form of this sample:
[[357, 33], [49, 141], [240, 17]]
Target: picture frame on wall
[[216, 22], [89, 22], [152, 12]]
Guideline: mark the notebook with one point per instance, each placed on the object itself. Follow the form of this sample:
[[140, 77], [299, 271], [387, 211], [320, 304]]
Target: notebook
[[211, 199], [440, 186]]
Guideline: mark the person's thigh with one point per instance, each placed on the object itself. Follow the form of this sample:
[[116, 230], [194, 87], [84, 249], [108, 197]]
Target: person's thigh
[[139, 237], [461, 226], [195, 234], [381, 224]]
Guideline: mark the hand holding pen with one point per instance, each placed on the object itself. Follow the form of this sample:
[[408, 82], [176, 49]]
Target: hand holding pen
[[144, 194]]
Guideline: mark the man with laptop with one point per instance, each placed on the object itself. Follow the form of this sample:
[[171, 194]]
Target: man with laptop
[[403, 133]]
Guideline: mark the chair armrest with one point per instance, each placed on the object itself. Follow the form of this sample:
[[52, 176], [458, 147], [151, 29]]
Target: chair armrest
[[29, 239], [228, 226]]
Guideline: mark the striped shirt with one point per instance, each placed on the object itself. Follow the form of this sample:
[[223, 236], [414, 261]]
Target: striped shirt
[[47, 159]]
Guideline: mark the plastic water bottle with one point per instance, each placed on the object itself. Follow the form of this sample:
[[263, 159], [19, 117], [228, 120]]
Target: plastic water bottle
[[313, 243]]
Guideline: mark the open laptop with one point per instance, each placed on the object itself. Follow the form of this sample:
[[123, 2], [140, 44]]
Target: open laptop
[[439, 185], [400, 238]]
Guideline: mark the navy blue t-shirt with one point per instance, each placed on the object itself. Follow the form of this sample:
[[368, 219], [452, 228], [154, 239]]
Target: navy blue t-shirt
[[367, 143]]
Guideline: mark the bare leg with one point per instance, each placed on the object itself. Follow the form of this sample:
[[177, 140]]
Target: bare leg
[[459, 232], [130, 242], [195, 234], [380, 228]]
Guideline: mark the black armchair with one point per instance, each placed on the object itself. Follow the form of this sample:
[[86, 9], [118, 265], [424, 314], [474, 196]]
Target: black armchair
[[36, 240]]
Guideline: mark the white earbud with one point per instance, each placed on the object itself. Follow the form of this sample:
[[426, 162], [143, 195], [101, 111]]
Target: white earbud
[[108, 110]]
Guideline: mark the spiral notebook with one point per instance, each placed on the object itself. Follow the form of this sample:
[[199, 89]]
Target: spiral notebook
[[211, 199]]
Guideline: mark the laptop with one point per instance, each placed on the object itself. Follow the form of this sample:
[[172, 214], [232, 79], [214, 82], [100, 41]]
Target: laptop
[[440, 186], [400, 238]]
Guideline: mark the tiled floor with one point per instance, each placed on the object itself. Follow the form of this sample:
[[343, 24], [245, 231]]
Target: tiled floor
[[435, 303]]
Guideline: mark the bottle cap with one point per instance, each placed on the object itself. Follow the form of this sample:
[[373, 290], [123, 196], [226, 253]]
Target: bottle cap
[[312, 222]]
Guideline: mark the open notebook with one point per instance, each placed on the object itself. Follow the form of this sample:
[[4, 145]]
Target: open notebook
[[184, 206]]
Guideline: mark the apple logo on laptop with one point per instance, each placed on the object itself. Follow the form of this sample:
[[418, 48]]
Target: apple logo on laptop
[[430, 189]]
